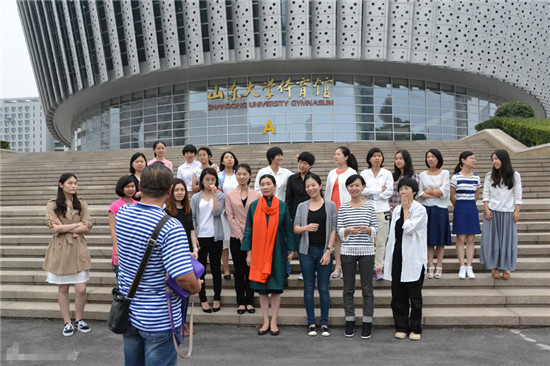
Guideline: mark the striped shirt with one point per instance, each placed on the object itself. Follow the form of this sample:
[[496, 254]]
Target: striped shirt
[[134, 227], [361, 243], [465, 187]]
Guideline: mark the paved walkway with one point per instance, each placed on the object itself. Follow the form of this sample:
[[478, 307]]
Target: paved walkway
[[40, 343]]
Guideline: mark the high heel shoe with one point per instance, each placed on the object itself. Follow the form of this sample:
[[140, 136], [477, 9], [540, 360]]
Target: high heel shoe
[[216, 309], [209, 310], [438, 272], [430, 272], [337, 272]]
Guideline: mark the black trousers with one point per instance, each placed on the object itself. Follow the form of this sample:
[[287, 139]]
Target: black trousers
[[245, 296], [403, 294], [213, 249]]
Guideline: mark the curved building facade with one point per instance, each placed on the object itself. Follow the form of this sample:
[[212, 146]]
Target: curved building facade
[[122, 74]]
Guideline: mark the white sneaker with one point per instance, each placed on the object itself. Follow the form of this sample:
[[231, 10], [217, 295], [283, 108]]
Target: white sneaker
[[68, 330], [301, 277], [462, 272], [470, 272]]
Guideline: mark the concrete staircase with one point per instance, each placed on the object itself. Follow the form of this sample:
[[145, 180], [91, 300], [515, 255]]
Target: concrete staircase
[[28, 180]]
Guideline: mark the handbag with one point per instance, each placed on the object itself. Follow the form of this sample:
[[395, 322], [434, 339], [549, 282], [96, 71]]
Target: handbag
[[173, 289], [120, 307]]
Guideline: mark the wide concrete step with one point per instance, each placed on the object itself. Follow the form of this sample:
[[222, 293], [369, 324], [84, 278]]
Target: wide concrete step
[[486, 316]]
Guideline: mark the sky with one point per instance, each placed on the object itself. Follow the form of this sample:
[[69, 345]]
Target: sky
[[16, 72]]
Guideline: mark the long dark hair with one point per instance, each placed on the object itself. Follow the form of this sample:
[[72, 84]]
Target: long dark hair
[[408, 170], [222, 166], [60, 201], [352, 161], [506, 173], [208, 153], [464, 155], [171, 207], [316, 178], [155, 146], [134, 158]]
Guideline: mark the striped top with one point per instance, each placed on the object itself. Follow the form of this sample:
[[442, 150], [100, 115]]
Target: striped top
[[134, 227], [465, 187], [361, 243]]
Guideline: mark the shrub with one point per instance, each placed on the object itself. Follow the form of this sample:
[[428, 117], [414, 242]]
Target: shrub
[[528, 131], [515, 109], [4, 145]]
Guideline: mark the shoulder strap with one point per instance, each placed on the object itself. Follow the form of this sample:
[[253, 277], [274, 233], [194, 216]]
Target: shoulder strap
[[150, 245]]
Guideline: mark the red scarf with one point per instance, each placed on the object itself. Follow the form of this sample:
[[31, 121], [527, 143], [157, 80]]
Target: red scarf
[[263, 239]]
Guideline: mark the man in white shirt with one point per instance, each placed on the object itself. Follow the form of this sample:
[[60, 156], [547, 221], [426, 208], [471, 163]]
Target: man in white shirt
[[187, 169], [275, 160]]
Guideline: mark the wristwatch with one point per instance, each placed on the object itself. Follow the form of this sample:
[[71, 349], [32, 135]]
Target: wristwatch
[[331, 249]]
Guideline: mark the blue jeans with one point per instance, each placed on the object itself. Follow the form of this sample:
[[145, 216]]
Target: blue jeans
[[311, 269], [149, 348]]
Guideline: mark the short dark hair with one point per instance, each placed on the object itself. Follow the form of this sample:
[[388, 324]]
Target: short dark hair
[[353, 178], [134, 158], [156, 180], [307, 157], [245, 167], [437, 155], [123, 182], [268, 176], [206, 171], [408, 182], [222, 166], [373, 151], [189, 148], [272, 153]]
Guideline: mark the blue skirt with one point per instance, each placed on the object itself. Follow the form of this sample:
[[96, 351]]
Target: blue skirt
[[439, 228], [466, 218]]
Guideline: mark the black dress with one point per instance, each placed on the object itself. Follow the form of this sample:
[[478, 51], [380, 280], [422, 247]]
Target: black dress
[[187, 222]]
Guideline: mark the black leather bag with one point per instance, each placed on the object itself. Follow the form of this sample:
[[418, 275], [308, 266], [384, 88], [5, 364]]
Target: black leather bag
[[120, 308]]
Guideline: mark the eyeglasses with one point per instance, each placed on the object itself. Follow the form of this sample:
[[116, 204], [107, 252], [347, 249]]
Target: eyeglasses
[[303, 164]]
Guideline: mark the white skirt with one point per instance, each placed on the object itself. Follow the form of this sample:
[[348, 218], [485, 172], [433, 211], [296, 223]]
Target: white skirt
[[80, 277]]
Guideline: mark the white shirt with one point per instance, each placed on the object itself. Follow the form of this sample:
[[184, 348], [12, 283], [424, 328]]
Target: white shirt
[[414, 249], [500, 197], [374, 185], [205, 221], [281, 178], [186, 171], [440, 181], [345, 197]]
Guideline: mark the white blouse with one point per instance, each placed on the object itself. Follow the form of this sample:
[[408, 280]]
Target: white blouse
[[500, 197], [374, 185], [440, 181]]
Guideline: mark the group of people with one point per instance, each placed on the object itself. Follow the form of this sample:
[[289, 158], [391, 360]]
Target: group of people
[[388, 225]]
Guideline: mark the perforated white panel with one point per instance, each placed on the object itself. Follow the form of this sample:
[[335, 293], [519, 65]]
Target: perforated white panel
[[323, 37], [65, 64], [375, 14], [349, 15], [130, 37], [113, 38], [297, 29], [73, 46], [243, 30], [84, 44], [270, 29], [170, 34], [401, 26], [149, 34], [217, 31], [96, 29], [193, 32]]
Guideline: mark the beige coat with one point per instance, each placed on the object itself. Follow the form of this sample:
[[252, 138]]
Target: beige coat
[[67, 252]]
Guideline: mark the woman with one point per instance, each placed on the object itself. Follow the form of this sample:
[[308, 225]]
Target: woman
[[315, 222], [465, 189], [406, 260], [207, 206], [178, 206], [237, 203], [67, 257], [434, 190], [357, 229], [137, 163], [267, 238], [159, 149], [402, 168], [346, 166], [228, 182], [204, 155], [379, 188], [125, 189], [187, 170], [501, 201]]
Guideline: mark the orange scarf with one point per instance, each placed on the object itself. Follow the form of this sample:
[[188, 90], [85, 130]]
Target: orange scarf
[[263, 239]]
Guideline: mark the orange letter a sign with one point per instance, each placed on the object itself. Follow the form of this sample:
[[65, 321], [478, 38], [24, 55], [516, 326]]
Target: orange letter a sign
[[269, 127]]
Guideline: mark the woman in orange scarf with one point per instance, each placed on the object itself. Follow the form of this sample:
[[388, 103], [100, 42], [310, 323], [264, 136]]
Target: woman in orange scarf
[[268, 235]]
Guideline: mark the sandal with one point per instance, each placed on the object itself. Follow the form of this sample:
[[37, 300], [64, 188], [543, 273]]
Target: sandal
[[506, 275], [337, 272], [430, 272], [496, 274], [438, 272]]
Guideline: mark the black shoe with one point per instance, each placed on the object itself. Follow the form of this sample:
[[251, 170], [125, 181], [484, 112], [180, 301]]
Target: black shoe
[[241, 311], [251, 311], [227, 277], [215, 310], [274, 333], [262, 332], [209, 310], [367, 331], [350, 329]]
